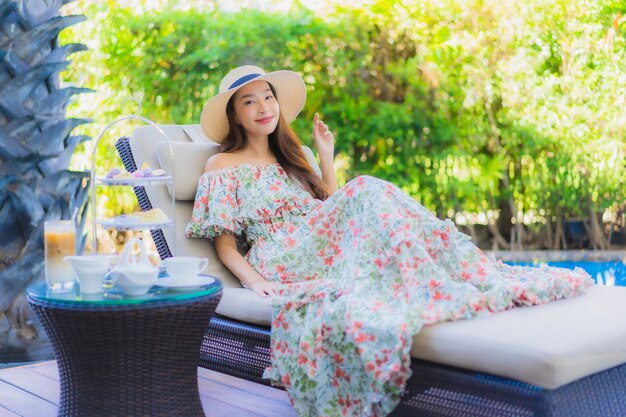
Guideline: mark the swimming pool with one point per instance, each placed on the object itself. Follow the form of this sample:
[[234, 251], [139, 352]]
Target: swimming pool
[[603, 272]]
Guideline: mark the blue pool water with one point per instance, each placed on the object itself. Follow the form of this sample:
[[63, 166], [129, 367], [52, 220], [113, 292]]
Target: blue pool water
[[609, 272]]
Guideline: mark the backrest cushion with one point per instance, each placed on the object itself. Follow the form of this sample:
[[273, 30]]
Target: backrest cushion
[[144, 144], [189, 160]]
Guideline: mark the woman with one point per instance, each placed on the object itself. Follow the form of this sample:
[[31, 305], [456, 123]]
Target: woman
[[353, 273]]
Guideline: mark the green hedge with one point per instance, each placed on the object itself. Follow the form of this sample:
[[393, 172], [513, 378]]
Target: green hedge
[[481, 108]]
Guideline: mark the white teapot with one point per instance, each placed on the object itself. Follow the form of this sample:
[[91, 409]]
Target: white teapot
[[134, 275]]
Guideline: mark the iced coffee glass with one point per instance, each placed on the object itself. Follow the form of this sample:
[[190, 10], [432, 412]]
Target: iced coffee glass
[[59, 242]]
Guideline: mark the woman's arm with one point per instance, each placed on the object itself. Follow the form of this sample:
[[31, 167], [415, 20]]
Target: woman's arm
[[325, 144], [226, 248]]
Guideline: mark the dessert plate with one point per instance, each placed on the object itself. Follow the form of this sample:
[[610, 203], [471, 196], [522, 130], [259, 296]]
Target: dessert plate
[[199, 281]]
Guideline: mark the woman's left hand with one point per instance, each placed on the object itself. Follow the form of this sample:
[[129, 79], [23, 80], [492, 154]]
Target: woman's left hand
[[324, 139]]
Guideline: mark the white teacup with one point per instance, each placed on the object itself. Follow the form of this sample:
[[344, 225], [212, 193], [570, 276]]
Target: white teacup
[[185, 269], [91, 270]]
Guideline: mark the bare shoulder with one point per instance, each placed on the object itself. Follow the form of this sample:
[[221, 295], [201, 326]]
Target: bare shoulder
[[221, 160]]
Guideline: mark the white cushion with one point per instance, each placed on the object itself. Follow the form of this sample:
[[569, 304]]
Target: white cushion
[[144, 143], [244, 305], [548, 345], [189, 161]]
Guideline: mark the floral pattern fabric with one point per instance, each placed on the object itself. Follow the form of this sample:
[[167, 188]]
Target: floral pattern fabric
[[363, 272]]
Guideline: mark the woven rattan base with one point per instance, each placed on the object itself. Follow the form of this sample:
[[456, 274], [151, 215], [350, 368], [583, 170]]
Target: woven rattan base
[[440, 391], [136, 360], [236, 348]]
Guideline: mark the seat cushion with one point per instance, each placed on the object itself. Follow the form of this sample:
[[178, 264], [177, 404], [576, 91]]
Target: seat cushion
[[243, 305], [548, 345]]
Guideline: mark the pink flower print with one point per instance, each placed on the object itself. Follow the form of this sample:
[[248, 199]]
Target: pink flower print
[[286, 380], [361, 337], [444, 238], [356, 325], [279, 321], [380, 263], [434, 284], [377, 306], [231, 200], [339, 373]]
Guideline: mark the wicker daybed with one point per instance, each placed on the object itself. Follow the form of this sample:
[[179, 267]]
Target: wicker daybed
[[563, 359]]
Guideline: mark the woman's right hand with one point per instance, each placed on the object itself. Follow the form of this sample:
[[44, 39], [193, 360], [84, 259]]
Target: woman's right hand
[[323, 137], [264, 288]]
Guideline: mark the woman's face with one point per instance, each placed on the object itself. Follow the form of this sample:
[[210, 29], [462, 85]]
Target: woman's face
[[256, 109]]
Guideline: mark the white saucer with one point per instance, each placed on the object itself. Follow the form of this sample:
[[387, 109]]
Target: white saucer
[[199, 281]]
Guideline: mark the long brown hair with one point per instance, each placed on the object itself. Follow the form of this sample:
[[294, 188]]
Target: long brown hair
[[284, 144]]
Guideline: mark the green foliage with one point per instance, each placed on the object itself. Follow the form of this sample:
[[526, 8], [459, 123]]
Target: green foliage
[[464, 105]]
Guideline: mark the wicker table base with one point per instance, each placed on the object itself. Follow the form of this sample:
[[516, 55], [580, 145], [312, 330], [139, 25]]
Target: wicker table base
[[128, 360]]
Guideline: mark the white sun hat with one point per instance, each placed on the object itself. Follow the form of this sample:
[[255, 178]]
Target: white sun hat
[[290, 93]]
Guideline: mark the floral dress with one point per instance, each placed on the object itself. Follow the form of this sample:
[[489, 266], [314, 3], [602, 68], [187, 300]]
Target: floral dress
[[363, 270]]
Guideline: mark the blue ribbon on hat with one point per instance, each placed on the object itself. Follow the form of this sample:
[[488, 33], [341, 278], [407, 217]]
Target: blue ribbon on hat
[[243, 79]]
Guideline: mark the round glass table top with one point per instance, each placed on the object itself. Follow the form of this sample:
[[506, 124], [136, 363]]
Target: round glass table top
[[112, 295]]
